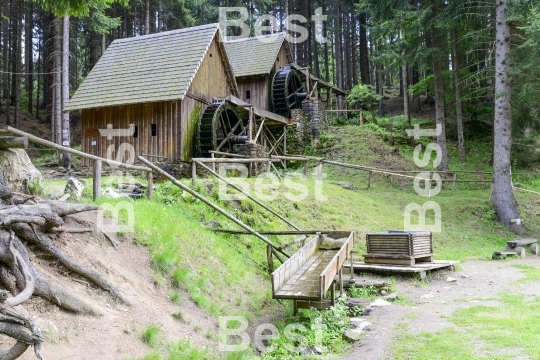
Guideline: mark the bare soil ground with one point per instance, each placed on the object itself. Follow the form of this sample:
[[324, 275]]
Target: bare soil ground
[[116, 335], [478, 282]]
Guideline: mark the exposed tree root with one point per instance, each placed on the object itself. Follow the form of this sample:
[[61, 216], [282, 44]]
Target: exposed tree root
[[26, 232], [26, 218]]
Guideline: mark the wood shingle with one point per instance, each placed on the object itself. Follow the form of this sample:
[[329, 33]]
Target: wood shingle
[[150, 68], [254, 55]]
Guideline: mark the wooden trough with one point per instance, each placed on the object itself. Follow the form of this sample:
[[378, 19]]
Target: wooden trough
[[307, 275], [399, 247]]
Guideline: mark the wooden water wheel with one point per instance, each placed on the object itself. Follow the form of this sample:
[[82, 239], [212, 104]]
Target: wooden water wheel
[[220, 127], [287, 91]]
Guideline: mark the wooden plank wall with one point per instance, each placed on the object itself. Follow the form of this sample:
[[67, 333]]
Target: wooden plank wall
[[164, 115], [211, 79], [258, 87], [281, 59]]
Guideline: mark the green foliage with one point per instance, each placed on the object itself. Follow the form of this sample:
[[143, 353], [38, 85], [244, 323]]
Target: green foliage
[[77, 8], [185, 351], [150, 335], [364, 96], [362, 292], [35, 188]]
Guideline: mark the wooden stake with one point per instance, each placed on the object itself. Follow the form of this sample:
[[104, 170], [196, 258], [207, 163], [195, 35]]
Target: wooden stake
[[97, 179], [194, 174], [150, 184]]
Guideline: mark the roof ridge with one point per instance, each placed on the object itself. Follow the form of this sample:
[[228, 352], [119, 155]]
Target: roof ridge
[[276, 35], [166, 33]]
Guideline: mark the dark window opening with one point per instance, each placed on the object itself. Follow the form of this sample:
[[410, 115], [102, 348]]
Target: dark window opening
[[210, 55], [153, 129], [248, 94], [136, 132]]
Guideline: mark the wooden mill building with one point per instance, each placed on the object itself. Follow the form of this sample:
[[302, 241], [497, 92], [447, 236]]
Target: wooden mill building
[[160, 84], [254, 61]]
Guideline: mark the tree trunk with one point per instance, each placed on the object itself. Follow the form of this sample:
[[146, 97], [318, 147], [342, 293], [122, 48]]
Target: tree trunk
[[9, 63], [339, 58], [380, 88], [364, 52], [326, 63], [503, 198], [18, 60], [57, 99], [439, 94], [354, 54], [5, 52], [66, 135], [459, 113], [147, 19], [405, 80], [160, 16], [28, 57]]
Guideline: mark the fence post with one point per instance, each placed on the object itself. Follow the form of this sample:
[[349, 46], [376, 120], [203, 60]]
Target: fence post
[[193, 174], [150, 179], [97, 179]]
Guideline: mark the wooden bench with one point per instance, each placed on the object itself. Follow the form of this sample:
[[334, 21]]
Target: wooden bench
[[307, 275], [516, 248]]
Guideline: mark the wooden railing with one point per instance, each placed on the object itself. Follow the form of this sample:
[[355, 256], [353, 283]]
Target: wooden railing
[[98, 161]]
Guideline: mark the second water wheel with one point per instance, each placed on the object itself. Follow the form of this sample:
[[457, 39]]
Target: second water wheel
[[286, 91]]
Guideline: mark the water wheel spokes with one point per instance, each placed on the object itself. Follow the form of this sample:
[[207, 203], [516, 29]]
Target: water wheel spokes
[[219, 129]]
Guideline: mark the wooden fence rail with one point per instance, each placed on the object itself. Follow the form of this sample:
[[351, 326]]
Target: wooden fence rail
[[98, 161]]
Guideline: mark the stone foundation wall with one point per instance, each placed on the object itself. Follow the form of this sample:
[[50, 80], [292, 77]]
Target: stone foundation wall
[[301, 132], [253, 151], [311, 108]]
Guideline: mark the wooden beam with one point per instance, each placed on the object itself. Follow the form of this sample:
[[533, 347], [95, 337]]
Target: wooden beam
[[259, 131], [37, 140], [11, 142], [228, 154], [233, 161], [247, 195], [211, 204], [286, 232]]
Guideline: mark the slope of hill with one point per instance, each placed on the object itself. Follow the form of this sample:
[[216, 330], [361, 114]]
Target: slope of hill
[[183, 275]]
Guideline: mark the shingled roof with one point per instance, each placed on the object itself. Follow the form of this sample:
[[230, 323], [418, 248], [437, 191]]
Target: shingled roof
[[150, 68], [254, 55]]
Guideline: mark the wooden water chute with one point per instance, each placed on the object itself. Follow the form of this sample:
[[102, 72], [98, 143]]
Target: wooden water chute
[[306, 276]]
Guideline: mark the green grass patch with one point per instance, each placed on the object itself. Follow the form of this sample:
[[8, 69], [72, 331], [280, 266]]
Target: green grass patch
[[150, 335], [362, 292], [484, 332], [531, 273]]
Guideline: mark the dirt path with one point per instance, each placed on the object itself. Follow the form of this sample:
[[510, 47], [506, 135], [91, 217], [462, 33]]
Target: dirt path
[[478, 282]]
